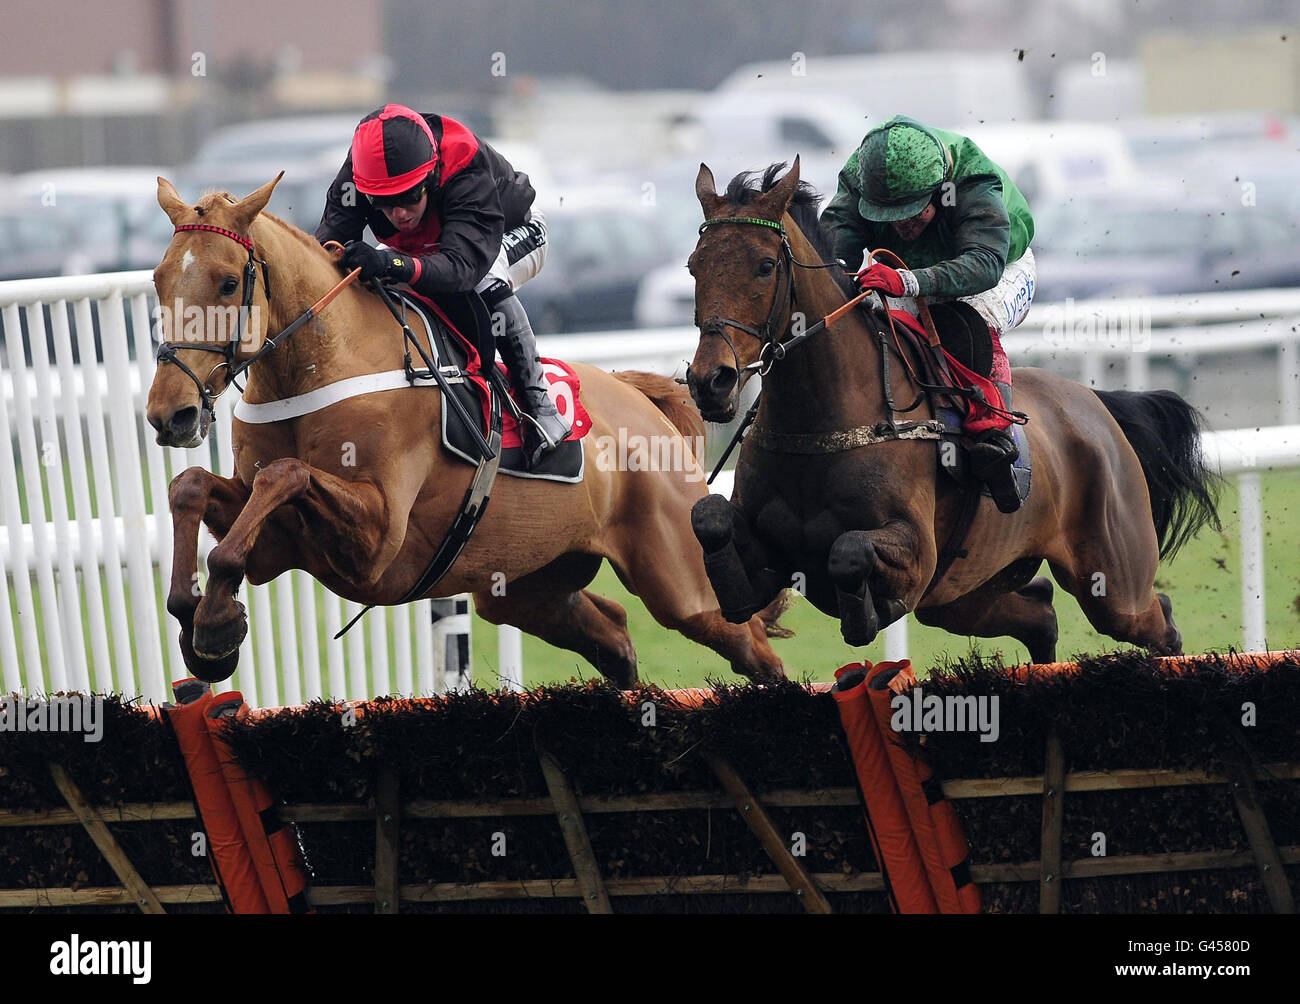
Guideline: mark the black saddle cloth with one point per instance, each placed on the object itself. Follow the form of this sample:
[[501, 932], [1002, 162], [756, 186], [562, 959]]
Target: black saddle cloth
[[468, 313]]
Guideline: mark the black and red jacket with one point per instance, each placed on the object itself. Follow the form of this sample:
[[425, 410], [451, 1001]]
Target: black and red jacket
[[474, 197]]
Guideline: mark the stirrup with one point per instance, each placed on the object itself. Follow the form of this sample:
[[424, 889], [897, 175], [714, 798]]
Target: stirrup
[[996, 471], [543, 443]]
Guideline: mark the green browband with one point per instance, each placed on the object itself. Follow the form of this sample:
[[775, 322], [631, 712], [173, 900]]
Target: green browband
[[778, 227]]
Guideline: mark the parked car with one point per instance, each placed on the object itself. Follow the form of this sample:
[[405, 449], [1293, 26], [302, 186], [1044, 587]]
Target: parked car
[[741, 132], [946, 88], [1160, 238], [1162, 141], [238, 159], [1257, 175], [1056, 160], [600, 248], [79, 220], [290, 140]]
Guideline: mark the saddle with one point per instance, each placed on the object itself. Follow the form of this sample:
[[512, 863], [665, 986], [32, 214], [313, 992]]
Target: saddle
[[967, 363], [480, 419], [459, 329]]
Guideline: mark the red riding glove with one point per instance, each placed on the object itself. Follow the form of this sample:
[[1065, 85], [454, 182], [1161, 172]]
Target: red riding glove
[[890, 281]]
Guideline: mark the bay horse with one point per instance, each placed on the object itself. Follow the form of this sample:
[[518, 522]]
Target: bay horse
[[361, 493], [823, 487]]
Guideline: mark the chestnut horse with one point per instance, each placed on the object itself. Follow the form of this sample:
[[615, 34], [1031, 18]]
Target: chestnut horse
[[361, 493], [824, 489]]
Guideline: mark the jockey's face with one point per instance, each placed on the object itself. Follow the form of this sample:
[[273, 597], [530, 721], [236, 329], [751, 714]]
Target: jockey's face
[[407, 217], [911, 229], [405, 209]]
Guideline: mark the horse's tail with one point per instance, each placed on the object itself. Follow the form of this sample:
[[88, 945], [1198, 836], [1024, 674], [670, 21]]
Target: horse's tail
[[1165, 433], [670, 397]]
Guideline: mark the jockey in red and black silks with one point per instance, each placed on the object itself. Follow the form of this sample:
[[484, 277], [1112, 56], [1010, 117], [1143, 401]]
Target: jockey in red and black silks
[[453, 216]]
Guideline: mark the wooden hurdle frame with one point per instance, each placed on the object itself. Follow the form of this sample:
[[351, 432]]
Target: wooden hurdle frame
[[387, 811]]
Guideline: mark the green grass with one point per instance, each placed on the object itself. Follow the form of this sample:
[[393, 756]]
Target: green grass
[[1203, 582]]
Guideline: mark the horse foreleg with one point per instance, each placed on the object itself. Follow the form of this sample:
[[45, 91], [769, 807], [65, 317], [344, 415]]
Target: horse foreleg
[[873, 570], [196, 497], [742, 581], [346, 524]]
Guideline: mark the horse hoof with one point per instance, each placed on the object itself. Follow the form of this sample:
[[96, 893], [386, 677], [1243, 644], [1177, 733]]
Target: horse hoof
[[207, 669], [857, 636], [1174, 643], [216, 648], [713, 522]]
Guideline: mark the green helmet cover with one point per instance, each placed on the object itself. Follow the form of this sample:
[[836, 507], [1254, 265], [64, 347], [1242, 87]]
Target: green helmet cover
[[900, 166]]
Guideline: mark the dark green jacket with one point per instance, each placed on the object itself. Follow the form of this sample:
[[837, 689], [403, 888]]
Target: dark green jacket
[[967, 245]]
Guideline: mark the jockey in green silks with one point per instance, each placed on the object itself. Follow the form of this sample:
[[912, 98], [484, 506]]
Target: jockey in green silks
[[934, 199]]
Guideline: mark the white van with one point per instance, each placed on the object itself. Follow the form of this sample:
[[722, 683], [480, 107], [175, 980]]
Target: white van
[[741, 132], [940, 87], [1052, 160]]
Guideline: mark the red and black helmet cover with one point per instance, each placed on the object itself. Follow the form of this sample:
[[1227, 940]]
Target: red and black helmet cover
[[393, 150]]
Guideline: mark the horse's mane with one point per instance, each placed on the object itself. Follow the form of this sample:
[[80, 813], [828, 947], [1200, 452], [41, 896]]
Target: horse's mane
[[210, 196], [745, 187]]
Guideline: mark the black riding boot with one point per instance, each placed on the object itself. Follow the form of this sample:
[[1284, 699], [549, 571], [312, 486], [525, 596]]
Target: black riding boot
[[544, 429], [991, 457]]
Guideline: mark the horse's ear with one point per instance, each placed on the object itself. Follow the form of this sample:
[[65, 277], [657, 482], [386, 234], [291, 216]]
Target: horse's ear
[[706, 191], [246, 209], [168, 199], [773, 203]]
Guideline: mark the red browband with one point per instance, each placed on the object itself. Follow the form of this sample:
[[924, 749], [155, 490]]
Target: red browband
[[216, 230]]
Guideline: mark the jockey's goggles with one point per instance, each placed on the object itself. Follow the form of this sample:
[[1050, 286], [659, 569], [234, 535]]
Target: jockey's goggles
[[408, 198]]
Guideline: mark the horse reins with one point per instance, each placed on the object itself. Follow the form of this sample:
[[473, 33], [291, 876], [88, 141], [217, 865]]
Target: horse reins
[[785, 265], [167, 351], [773, 349], [885, 431]]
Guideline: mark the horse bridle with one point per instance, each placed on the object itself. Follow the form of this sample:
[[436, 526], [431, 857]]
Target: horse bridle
[[774, 349], [767, 335], [167, 350]]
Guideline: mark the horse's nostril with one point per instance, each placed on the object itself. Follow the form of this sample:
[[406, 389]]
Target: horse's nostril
[[183, 420], [722, 380]]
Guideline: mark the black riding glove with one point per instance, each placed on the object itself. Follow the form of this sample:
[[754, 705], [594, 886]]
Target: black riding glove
[[378, 263]]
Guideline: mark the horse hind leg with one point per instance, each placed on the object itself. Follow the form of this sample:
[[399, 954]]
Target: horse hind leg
[[771, 615], [1174, 639], [1025, 614], [660, 563], [552, 604], [1117, 606]]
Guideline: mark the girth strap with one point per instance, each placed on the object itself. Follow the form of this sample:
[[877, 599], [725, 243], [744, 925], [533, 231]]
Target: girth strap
[[471, 511], [463, 526], [952, 547]]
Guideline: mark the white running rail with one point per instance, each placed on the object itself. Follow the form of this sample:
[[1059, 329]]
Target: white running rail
[[81, 607]]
